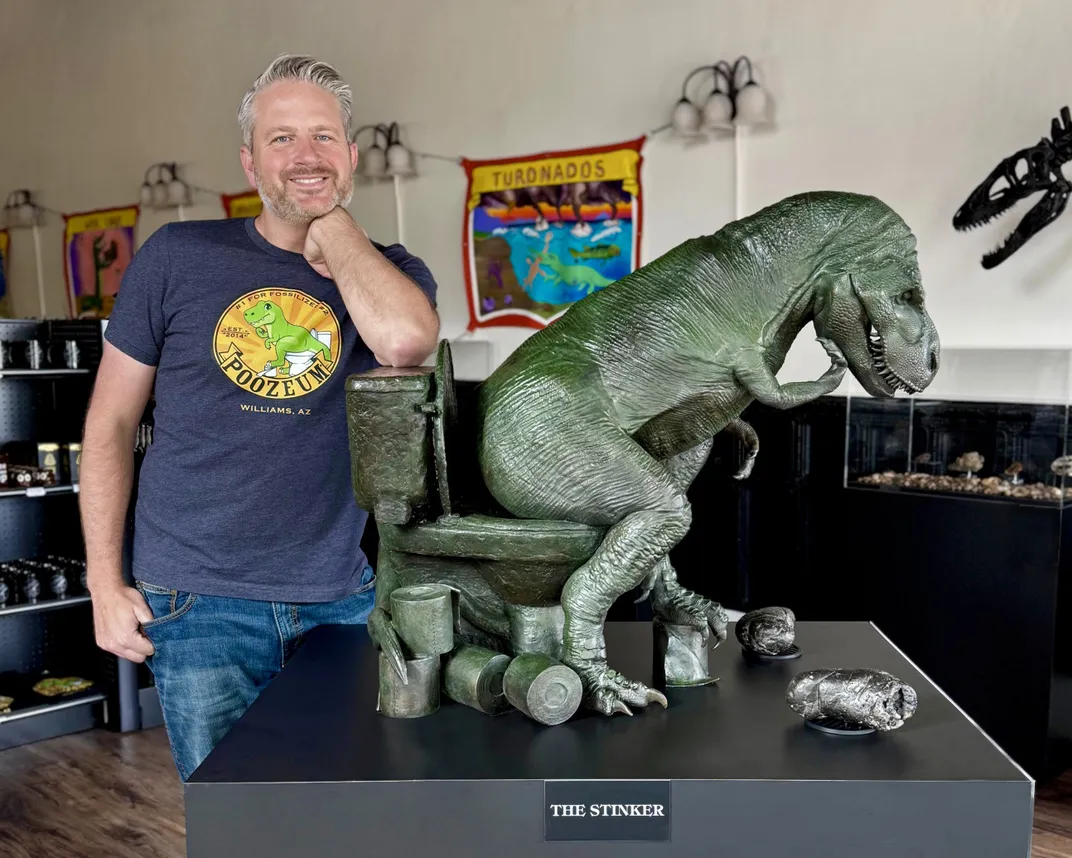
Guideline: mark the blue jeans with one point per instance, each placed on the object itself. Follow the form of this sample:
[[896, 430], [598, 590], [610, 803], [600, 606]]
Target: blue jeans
[[214, 655]]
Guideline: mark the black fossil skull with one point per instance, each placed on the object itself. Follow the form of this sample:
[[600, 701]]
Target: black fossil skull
[[1028, 171]]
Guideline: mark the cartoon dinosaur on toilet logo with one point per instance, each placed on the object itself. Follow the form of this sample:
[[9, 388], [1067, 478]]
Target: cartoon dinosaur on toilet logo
[[270, 324], [277, 343]]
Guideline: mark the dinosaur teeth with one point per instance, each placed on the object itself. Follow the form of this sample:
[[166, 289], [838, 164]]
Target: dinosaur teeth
[[877, 346]]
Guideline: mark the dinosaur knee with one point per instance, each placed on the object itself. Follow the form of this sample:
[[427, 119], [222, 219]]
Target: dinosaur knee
[[677, 504], [679, 516], [668, 522]]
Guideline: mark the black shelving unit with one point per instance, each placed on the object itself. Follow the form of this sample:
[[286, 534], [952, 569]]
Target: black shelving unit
[[50, 636]]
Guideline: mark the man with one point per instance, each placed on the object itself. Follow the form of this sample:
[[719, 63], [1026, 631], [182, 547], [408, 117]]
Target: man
[[246, 532]]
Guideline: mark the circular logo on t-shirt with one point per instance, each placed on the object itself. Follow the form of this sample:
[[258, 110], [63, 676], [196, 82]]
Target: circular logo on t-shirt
[[277, 343]]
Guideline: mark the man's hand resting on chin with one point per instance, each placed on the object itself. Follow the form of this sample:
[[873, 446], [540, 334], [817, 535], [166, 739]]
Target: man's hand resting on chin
[[336, 225], [392, 315]]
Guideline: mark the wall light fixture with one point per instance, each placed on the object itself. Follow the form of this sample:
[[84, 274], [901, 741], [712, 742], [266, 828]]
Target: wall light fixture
[[168, 191], [390, 160], [20, 210], [734, 100]]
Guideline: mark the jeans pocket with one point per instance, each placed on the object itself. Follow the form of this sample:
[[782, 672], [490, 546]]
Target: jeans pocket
[[368, 580], [166, 605]]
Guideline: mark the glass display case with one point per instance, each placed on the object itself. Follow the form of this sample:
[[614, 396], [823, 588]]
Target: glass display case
[[993, 425]]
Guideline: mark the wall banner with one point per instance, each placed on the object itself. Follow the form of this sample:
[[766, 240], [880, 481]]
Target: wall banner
[[97, 248], [245, 204], [543, 231]]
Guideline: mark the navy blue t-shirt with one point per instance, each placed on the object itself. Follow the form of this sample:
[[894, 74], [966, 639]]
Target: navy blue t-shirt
[[246, 489]]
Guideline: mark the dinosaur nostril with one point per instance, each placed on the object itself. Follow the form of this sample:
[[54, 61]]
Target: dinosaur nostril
[[934, 361]]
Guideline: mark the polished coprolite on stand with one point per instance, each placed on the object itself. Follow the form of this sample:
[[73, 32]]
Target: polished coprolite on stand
[[726, 770]]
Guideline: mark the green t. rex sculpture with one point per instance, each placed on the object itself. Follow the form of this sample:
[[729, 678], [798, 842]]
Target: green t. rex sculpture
[[601, 421]]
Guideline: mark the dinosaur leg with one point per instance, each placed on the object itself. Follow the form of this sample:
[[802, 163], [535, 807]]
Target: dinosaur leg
[[282, 346], [683, 469], [747, 435], [669, 600], [578, 465], [660, 518], [623, 558], [320, 347]]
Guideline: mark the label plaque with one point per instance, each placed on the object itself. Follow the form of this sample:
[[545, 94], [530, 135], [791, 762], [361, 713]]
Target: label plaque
[[606, 810]]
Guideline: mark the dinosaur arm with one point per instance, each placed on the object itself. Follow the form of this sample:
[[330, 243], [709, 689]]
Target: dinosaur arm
[[683, 426], [746, 434], [752, 372]]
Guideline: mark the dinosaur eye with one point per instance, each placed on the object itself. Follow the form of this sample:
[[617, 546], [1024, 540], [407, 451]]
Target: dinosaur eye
[[908, 295]]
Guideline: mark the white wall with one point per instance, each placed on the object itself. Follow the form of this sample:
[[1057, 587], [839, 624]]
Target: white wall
[[912, 100]]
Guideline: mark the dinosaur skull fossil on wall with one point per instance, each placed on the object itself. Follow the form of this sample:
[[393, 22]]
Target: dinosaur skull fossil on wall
[[1026, 172]]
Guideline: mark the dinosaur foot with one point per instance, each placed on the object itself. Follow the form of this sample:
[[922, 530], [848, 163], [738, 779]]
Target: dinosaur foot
[[683, 607], [608, 692]]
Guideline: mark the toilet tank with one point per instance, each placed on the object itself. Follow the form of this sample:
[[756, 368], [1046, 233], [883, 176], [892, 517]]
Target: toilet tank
[[392, 461]]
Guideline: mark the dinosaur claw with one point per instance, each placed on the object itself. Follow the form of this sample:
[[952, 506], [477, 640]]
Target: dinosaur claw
[[610, 693], [745, 470], [685, 607]]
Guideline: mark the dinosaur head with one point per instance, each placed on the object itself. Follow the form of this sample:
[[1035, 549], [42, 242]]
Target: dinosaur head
[[1026, 172], [262, 313], [870, 302]]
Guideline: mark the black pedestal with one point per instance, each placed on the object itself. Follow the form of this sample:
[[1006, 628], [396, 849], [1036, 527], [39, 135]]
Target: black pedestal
[[312, 769]]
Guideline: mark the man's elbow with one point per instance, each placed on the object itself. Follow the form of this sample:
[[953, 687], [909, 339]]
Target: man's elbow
[[409, 348]]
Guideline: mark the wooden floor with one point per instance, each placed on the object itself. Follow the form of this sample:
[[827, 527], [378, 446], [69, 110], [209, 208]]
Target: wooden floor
[[1053, 818], [104, 795], [92, 795]]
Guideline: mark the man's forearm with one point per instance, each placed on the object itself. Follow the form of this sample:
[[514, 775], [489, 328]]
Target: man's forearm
[[394, 317], [106, 477]]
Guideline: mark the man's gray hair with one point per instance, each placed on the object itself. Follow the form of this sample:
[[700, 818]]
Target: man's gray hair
[[300, 68]]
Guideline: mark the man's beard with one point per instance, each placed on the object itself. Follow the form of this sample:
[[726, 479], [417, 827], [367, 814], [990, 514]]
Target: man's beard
[[289, 209]]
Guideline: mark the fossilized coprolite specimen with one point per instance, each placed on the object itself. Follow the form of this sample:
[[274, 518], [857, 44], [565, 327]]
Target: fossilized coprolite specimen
[[863, 697], [768, 631]]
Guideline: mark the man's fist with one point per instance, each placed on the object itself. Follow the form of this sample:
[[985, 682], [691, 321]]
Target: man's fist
[[117, 615], [334, 226]]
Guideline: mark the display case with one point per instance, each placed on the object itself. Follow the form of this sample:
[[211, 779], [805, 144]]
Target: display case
[[994, 425], [965, 492], [53, 679]]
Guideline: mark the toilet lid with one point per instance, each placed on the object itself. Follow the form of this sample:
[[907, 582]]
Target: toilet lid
[[444, 419]]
